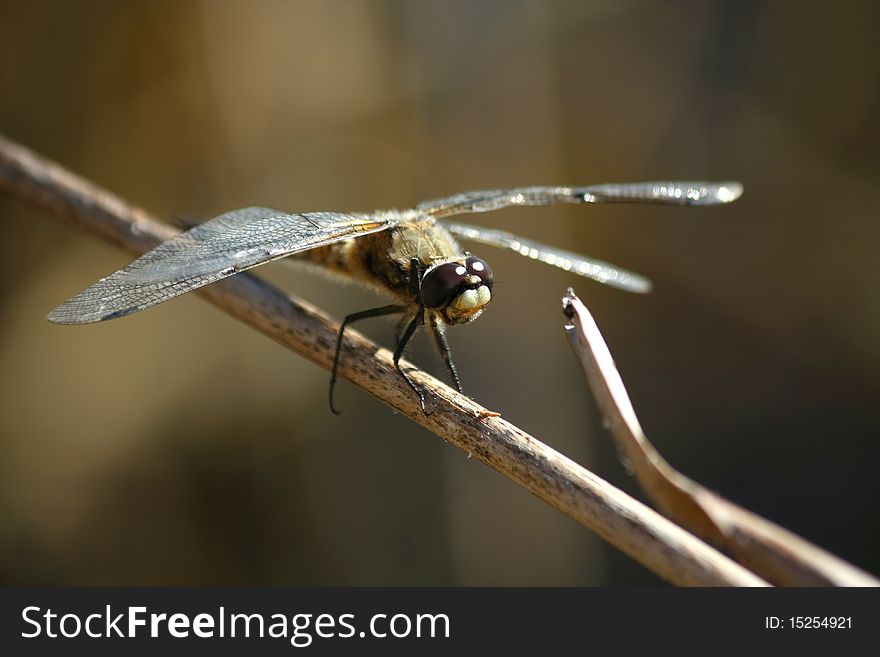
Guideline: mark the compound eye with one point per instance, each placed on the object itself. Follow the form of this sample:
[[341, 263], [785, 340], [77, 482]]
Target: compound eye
[[479, 267], [442, 284]]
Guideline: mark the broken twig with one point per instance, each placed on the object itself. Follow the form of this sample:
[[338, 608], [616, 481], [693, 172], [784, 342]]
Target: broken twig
[[774, 553]]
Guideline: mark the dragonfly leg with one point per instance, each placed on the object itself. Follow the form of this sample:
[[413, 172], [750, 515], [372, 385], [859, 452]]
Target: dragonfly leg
[[350, 319], [445, 352], [399, 330], [417, 321], [416, 272]]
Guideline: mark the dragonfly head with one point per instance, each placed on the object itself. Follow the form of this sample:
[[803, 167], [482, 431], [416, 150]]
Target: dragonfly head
[[459, 290]]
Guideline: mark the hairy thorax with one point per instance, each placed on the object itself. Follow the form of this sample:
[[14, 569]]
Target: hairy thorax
[[383, 260]]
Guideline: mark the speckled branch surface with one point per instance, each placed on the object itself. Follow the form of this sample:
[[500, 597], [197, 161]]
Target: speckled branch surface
[[629, 525]]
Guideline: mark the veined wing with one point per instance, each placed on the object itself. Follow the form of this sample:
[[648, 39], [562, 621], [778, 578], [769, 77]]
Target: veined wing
[[673, 193], [597, 270], [218, 248]]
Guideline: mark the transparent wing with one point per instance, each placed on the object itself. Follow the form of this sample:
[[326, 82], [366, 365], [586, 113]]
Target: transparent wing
[[597, 270], [674, 193], [218, 248]]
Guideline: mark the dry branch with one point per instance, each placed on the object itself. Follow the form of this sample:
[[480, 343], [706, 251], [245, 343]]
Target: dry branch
[[776, 554], [629, 525]]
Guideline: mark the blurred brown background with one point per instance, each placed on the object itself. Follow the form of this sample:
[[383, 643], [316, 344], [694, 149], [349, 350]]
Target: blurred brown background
[[178, 447]]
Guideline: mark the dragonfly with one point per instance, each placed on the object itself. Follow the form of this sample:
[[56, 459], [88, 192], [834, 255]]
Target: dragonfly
[[411, 256]]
